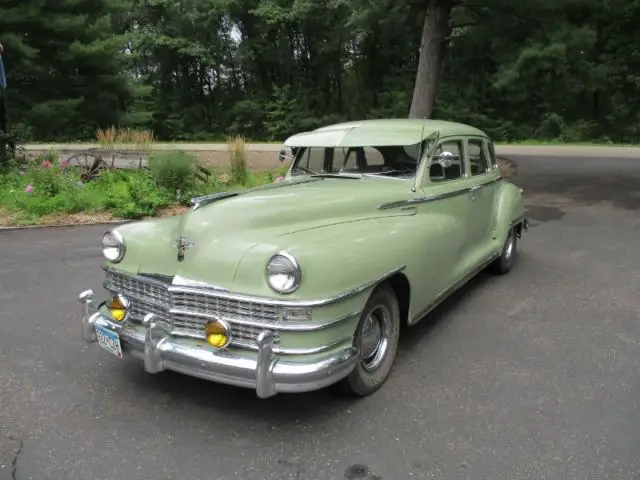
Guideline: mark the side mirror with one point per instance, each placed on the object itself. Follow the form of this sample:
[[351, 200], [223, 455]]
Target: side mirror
[[282, 156]]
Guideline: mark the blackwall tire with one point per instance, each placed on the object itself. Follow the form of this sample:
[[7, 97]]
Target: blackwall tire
[[376, 339], [504, 263]]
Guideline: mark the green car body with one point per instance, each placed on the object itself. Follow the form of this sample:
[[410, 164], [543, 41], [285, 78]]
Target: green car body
[[398, 212]]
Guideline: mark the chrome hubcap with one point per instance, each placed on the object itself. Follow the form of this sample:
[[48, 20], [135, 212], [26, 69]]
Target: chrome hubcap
[[374, 339]]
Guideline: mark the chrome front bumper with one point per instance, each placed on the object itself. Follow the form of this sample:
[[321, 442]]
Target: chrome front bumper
[[266, 372]]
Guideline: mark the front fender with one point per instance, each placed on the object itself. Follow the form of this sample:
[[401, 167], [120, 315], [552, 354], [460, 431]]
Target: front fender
[[339, 258], [510, 209]]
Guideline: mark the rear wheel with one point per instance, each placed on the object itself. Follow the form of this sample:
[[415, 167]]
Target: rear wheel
[[376, 339], [504, 262]]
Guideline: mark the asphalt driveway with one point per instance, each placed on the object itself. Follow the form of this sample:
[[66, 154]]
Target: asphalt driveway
[[534, 375]]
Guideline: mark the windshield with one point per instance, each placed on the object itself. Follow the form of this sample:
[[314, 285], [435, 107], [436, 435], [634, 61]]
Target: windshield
[[395, 160]]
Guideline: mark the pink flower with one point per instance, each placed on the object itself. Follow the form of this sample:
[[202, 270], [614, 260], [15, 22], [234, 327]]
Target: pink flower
[[28, 189], [64, 165], [279, 179], [46, 164]]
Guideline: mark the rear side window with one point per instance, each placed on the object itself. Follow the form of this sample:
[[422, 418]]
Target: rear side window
[[478, 160]]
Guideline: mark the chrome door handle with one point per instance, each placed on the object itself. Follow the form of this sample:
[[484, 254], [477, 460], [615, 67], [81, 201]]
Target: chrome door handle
[[475, 189]]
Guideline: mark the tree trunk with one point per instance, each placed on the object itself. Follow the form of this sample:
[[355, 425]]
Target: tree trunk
[[434, 32]]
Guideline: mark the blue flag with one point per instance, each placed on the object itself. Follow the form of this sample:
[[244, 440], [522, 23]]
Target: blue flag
[[3, 77]]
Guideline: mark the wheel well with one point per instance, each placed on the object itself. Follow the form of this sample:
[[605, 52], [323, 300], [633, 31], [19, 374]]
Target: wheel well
[[401, 287]]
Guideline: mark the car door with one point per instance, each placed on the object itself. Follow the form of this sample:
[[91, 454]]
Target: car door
[[481, 199], [447, 185]]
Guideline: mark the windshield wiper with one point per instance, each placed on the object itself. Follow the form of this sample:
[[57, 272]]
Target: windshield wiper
[[391, 172], [351, 176]]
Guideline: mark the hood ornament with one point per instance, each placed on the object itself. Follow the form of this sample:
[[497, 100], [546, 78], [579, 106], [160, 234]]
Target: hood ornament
[[182, 244]]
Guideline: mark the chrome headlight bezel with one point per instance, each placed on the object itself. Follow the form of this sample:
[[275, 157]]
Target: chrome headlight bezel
[[283, 264], [116, 243]]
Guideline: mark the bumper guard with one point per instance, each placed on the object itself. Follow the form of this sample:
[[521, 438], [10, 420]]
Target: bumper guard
[[266, 372]]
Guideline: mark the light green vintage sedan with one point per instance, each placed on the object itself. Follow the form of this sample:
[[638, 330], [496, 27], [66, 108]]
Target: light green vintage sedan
[[306, 283]]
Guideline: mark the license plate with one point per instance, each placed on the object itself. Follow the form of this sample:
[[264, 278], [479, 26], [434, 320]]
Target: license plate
[[109, 340]]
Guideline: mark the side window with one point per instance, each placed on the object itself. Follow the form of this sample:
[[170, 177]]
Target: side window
[[478, 161], [447, 163], [311, 159]]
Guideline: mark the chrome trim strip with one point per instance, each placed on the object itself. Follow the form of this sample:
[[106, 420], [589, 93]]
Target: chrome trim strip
[[185, 282], [451, 289], [280, 327], [203, 200], [434, 198], [297, 351], [312, 350], [312, 327], [290, 303], [264, 300]]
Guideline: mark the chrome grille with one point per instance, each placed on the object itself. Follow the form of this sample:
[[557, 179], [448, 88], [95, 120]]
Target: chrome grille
[[153, 296], [145, 292], [224, 307]]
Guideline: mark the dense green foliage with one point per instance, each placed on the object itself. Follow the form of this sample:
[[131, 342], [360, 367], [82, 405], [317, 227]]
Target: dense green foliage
[[204, 69], [45, 186]]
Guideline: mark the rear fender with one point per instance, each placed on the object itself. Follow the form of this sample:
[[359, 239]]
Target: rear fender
[[510, 210]]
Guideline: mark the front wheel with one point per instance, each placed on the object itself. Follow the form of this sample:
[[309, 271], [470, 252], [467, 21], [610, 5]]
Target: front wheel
[[376, 339]]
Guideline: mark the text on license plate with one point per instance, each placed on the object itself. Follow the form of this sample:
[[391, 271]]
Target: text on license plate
[[109, 340]]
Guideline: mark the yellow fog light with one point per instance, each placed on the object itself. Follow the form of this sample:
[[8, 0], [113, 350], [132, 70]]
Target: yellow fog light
[[218, 334], [118, 307]]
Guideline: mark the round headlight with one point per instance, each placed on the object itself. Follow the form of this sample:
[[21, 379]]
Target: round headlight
[[113, 246], [283, 273]]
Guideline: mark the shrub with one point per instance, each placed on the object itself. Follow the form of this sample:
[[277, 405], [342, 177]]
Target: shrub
[[174, 171], [132, 196]]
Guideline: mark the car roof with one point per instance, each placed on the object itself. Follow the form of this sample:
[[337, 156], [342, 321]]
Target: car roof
[[380, 132]]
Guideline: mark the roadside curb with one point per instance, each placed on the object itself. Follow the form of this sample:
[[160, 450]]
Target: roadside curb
[[63, 225]]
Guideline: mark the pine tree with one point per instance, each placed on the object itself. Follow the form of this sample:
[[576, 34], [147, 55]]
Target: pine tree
[[65, 65]]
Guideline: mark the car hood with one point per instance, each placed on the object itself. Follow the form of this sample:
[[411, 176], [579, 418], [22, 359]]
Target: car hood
[[220, 233]]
